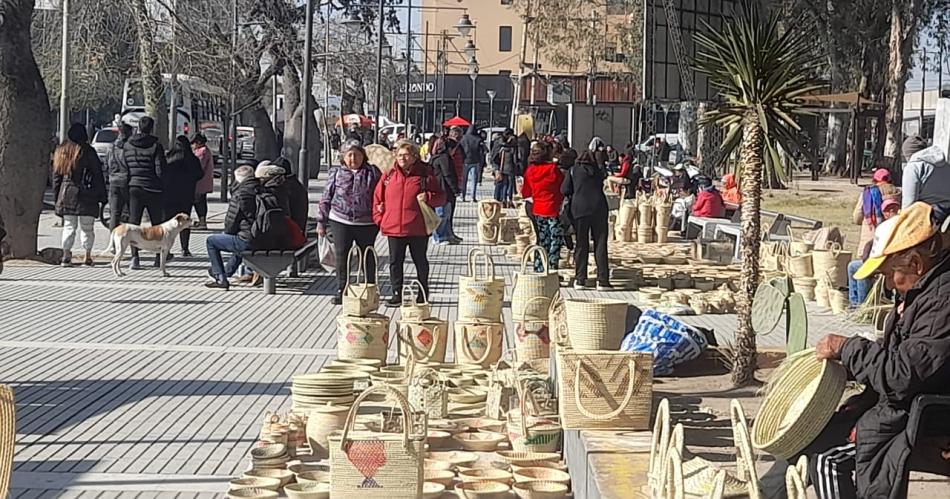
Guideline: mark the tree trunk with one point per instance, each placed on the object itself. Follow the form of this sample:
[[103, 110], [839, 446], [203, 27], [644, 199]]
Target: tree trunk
[[265, 140], [751, 154], [905, 18], [292, 125], [24, 152], [837, 143], [153, 85]]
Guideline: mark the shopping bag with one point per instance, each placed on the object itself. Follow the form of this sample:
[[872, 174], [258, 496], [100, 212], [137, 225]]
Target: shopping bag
[[327, 258], [431, 218], [670, 341]]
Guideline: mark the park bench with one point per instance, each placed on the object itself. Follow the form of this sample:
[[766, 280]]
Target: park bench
[[270, 263]]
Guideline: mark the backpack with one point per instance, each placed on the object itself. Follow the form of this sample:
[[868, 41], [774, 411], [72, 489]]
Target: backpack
[[270, 223]]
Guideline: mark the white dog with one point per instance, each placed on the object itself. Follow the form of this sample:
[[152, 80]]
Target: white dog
[[157, 238]]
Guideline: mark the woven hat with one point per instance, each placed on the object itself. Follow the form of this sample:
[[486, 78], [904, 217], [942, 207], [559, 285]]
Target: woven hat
[[911, 227]]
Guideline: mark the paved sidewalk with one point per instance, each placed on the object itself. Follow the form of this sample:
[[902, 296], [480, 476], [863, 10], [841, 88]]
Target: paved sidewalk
[[158, 385]]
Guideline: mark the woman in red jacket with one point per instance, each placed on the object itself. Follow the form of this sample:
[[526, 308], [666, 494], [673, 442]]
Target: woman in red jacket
[[709, 202], [397, 212], [542, 183]]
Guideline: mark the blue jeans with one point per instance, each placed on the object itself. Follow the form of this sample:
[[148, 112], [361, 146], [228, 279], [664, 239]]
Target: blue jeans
[[501, 189], [444, 231], [470, 179], [217, 243], [857, 288]]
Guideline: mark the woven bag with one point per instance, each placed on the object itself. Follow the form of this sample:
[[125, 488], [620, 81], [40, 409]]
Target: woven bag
[[490, 210], [412, 309], [424, 340], [532, 337], [595, 324], [479, 342], [362, 337], [604, 390], [800, 265], [360, 297], [488, 232], [541, 435], [498, 401], [377, 465], [427, 393], [508, 228], [481, 294], [832, 263], [529, 285]]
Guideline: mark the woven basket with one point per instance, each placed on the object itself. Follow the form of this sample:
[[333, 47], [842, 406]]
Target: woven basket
[[832, 263], [532, 337], [662, 234], [803, 394], [662, 215], [805, 286], [821, 294], [361, 297], [542, 475], [377, 465], [595, 324], [604, 390], [540, 490], [363, 337], [838, 300], [490, 210], [479, 342], [412, 309], [800, 265], [427, 393], [508, 228], [645, 234], [321, 422], [626, 222], [482, 489], [529, 285], [488, 232], [646, 214], [424, 340], [481, 294], [543, 436]]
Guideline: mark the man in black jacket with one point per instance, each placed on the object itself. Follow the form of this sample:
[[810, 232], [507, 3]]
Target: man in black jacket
[[145, 159], [444, 168], [242, 211], [299, 200], [474, 150], [118, 178], [866, 436]]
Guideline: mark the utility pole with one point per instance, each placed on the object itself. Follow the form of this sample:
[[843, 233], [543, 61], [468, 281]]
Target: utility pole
[[64, 76], [425, 80], [923, 91], [379, 70], [516, 98], [408, 67], [173, 83], [326, 85], [306, 89]]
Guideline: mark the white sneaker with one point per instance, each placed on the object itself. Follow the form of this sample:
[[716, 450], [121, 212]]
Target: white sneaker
[[442, 243]]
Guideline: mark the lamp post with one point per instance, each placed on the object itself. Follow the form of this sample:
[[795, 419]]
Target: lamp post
[[408, 66], [379, 70], [303, 173], [491, 108], [473, 74], [64, 76]]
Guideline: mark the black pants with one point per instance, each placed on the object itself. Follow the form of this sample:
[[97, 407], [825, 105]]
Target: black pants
[[592, 227], [344, 236], [201, 205], [174, 207], [118, 204], [141, 200], [418, 245]]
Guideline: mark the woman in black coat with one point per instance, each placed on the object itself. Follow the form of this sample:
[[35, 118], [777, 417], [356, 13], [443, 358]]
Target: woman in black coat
[[79, 188], [179, 179], [584, 185]]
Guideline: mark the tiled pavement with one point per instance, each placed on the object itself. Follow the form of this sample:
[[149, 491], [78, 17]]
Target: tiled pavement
[[144, 386]]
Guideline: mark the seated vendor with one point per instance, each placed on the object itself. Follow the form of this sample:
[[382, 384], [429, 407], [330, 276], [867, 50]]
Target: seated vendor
[[866, 436]]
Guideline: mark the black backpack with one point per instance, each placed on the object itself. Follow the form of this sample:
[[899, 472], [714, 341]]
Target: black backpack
[[270, 224]]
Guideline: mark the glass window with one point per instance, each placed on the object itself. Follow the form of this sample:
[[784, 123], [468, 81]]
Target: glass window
[[504, 38]]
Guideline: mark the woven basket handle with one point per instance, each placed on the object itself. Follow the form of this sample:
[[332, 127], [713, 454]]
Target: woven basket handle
[[632, 385], [366, 254], [659, 442], [359, 265], [388, 390], [405, 337], [524, 310], [671, 484], [468, 350], [545, 264], [488, 265], [414, 289]]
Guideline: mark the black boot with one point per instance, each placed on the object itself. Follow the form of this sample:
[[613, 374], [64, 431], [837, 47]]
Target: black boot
[[219, 283]]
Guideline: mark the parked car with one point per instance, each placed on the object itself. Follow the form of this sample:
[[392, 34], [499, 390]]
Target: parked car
[[245, 142], [103, 142]]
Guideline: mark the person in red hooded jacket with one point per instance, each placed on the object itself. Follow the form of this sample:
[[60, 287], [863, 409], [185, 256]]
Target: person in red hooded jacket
[[709, 202], [542, 184], [397, 212]]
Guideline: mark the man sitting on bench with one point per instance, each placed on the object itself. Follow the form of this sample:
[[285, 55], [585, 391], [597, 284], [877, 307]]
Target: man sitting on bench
[[867, 435]]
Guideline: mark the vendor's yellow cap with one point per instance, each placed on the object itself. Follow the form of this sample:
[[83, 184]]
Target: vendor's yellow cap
[[911, 227]]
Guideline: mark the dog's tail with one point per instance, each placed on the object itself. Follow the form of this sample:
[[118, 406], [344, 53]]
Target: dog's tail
[[110, 250]]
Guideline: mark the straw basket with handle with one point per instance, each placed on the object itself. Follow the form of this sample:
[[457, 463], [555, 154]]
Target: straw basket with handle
[[595, 324], [377, 465], [606, 390], [832, 262], [803, 394], [479, 342], [490, 210], [320, 423], [799, 247], [412, 309], [535, 436], [800, 265], [427, 393], [361, 297], [363, 337], [498, 400], [530, 285], [488, 232], [424, 340], [481, 293], [532, 337]]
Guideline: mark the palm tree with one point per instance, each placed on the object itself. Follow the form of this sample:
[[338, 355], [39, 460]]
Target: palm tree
[[760, 72]]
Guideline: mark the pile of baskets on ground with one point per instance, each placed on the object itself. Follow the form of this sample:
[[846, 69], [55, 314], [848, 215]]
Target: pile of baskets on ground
[[488, 425], [645, 219], [819, 274]]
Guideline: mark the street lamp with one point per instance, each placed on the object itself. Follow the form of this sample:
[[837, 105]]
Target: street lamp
[[469, 49], [491, 108], [464, 26], [303, 173], [473, 74]]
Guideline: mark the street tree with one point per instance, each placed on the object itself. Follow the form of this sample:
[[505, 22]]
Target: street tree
[[26, 135], [759, 72]]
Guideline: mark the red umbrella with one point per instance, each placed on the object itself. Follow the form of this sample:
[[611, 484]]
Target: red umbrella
[[456, 121]]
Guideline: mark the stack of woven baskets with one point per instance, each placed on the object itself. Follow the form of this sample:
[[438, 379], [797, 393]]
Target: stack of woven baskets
[[490, 214], [819, 274], [479, 330], [361, 332], [531, 298], [645, 219]]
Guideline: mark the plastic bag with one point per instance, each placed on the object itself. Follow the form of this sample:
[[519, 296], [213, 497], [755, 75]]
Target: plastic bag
[[327, 254], [670, 341]]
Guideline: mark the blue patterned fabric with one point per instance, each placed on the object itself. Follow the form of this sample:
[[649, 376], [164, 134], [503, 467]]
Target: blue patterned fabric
[[670, 341]]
